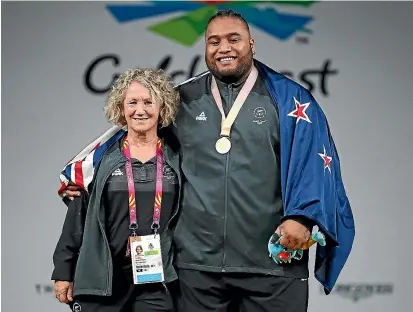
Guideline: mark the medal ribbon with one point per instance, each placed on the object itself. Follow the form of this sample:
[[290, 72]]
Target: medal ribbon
[[133, 223], [227, 122]]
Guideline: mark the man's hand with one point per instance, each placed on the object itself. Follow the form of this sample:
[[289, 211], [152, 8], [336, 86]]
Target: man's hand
[[293, 234], [72, 191], [63, 291]]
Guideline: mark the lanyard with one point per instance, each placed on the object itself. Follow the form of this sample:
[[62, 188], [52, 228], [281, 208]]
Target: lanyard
[[227, 122], [133, 225]]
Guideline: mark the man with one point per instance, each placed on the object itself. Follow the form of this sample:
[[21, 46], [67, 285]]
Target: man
[[269, 165]]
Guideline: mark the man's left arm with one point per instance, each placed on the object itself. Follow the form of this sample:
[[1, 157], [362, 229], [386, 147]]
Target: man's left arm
[[312, 184]]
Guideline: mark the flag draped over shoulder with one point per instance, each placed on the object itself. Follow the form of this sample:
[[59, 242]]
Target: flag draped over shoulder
[[310, 171], [80, 170]]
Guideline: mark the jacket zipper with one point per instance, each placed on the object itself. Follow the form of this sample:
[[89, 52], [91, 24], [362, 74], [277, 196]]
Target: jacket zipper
[[108, 277], [226, 188], [179, 194]]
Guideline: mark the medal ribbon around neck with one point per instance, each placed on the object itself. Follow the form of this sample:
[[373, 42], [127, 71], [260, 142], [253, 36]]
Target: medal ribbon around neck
[[223, 144]]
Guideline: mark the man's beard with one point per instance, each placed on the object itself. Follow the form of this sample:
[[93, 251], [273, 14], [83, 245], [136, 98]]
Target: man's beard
[[233, 75]]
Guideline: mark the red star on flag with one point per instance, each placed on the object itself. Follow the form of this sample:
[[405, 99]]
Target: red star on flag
[[299, 111], [327, 159]]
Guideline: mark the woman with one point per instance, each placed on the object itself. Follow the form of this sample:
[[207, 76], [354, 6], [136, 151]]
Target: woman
[[133, 199], [139, 251]]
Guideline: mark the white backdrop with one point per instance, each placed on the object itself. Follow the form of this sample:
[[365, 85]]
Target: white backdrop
[[48, 115]]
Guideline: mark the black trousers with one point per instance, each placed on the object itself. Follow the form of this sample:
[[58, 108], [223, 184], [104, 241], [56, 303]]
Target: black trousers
[[243, 292], [128, 297]]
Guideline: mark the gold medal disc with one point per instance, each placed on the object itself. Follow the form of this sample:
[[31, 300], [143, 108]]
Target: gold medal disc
[[223, 145]]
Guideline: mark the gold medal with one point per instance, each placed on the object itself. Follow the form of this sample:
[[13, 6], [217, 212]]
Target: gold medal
[[223, 145]]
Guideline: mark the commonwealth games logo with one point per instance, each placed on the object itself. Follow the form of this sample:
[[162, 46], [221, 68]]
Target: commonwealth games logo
[[189, 25]]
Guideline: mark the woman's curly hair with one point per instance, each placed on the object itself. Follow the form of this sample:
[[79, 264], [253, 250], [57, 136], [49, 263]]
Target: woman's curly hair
[[159, 86]]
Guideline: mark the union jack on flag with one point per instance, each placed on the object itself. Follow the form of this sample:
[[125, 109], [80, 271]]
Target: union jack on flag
[[81, 168]]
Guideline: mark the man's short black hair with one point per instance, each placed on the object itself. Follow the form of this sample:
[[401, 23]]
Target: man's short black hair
[[228, 13]]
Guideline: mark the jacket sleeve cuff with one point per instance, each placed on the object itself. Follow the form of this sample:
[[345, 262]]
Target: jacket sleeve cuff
[[309, 224], [63, 272]]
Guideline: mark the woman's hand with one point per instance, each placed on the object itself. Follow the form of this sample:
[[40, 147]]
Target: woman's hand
[[63, 291]]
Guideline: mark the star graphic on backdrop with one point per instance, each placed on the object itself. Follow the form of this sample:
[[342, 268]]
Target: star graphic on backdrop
[[299, 111]]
